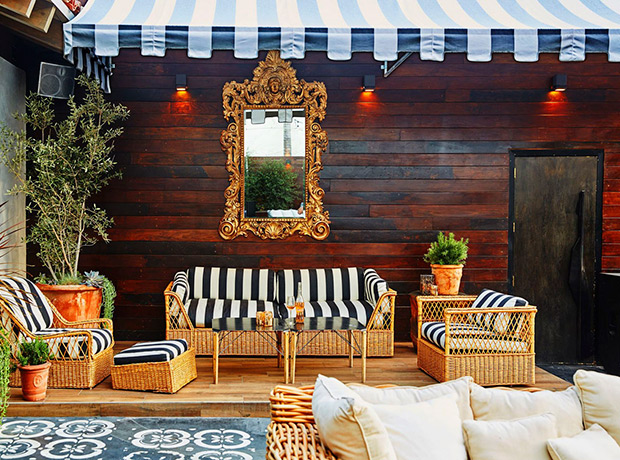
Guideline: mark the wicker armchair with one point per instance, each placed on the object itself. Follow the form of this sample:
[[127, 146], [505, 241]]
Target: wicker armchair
[[82, 350], [292, 434], [493, 345]]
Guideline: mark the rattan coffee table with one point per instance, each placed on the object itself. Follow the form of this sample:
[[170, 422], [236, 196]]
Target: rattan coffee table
[[348, 329], [277, 336]]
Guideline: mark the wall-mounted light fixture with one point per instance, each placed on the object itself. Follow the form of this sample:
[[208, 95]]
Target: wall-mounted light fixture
[[559, 82], [369, 83], [181, 82]]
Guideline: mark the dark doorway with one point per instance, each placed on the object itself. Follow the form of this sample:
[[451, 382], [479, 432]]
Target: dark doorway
[[554, 246]]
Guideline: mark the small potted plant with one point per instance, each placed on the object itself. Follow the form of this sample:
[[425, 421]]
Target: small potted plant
[[447, 256], [34, 367]]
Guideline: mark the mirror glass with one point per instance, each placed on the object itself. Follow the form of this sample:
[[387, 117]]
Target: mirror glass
[[274, 157]]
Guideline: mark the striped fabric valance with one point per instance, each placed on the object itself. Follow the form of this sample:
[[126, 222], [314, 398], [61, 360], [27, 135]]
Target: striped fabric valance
[[383, 27]]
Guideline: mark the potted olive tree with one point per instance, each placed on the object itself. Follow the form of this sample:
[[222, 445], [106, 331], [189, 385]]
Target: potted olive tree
[[34, 367], [447, 257], [68, 162]]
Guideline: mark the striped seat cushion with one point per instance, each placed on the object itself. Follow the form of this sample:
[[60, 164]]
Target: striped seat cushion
[[151, 352], [498, 322], [202, 311], [231, 283], [321, 284], [357, 309], [27, 303], [76, 347]]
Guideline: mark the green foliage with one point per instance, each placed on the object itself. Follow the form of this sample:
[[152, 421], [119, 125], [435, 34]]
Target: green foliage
[[68, 162], [33, 353], [447, 250], [271, 185], [68, 279], [5, 372], [93, 278]]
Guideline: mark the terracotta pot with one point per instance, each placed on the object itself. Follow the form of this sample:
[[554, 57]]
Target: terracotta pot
[[75, 302], [448, 278], [34, 381]]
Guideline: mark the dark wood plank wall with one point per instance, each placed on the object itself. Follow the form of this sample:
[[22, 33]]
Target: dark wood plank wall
[[428, 151]]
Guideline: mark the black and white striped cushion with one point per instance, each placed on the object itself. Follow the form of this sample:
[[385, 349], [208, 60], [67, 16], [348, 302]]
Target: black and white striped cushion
[[151, 352], [499, 322], [76, 347], [374, 286], [435, 332], [27, 303], [231, 283], [202, 311], [180, 285], [357, 309], [320, 284]]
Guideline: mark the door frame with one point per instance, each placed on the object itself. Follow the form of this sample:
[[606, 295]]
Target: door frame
[[598, 224]]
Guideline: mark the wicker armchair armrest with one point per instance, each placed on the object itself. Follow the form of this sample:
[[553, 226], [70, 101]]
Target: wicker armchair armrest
[[176, 315], [67, 335], [432, 308], [96, 323], [292, 434], [383, 315]]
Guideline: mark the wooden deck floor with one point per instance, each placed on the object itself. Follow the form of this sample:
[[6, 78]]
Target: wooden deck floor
[[243, 390]]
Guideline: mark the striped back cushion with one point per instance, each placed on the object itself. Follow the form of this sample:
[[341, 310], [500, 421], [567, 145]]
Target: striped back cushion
[[231, 283], [27, 303], [180, 285], [374, 286], [320, 284], [492, 299], [151, 352]]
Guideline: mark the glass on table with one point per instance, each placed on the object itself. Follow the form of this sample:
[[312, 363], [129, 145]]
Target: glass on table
[[290, 305], [426, 281]]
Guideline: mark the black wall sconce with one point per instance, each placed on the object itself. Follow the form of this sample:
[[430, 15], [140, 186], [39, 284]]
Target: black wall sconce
[[369, 83], [559, 82], [181, 82]]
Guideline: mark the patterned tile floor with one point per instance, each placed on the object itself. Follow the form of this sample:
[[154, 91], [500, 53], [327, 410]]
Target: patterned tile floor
[[145, 438]]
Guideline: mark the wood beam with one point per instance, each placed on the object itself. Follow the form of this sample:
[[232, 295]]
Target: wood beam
[[53, 39], [20, 7], [40, 18]]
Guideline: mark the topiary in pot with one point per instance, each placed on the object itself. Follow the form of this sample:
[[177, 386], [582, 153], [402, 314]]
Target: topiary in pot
[[68, 161], [447, 256], [34, 366]]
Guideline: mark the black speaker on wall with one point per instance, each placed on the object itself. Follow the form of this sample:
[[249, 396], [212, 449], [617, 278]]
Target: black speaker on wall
[[56, 81]]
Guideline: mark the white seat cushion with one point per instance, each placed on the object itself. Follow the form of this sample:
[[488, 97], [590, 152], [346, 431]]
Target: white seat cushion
[[151, 352]]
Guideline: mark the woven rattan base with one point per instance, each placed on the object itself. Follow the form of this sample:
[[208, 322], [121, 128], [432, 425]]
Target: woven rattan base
[[75, 374], [380, 343], [162, 377], [486, 369]]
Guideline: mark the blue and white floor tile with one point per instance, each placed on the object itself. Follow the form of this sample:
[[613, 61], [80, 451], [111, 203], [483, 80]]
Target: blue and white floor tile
[[154, 438]]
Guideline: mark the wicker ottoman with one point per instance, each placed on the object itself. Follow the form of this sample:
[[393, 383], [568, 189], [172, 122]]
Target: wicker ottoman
[[163, 367]]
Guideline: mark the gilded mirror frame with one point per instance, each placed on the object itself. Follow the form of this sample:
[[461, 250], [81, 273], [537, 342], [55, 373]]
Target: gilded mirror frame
[[274, 86]]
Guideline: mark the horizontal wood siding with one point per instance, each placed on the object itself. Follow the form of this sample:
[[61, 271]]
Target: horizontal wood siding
[[427, 151]]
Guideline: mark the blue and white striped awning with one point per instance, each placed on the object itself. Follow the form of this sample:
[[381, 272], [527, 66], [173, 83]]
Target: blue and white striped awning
[[341, 27]]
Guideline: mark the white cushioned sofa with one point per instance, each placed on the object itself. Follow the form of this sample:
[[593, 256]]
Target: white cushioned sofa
[[455, 420], [198, 295]]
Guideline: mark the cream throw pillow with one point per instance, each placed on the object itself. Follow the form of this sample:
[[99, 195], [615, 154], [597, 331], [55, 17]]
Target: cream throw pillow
[[348, 425], [600, 398], [408, 395], [498, 404], [592, 444], [522, 439], [429, 430]]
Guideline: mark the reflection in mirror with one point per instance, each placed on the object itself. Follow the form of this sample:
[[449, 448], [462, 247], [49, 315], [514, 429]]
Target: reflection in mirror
[[274, 154]]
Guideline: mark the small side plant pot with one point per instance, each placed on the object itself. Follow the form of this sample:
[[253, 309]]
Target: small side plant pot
[[34, 381], [448, 278]]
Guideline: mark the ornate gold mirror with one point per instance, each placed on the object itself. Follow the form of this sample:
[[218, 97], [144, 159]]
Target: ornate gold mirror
[[274, 145]]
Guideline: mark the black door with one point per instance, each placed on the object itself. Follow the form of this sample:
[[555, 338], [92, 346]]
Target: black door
[[554, 241]]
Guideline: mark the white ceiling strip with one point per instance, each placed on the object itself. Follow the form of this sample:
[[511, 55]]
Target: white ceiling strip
[[246, 30], [614, 45], [338, 30], [432, 44], [200, 32], [292, 36], [526, 45], [585, 13], [416, 14], [535, 9], [573, 47], [494, 9], [455, 11]]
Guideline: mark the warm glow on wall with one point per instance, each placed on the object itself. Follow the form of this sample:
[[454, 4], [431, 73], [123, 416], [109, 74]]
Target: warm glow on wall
[[181, 82]]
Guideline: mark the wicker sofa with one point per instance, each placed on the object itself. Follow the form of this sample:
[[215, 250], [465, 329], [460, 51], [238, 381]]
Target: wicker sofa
[[198, 295]]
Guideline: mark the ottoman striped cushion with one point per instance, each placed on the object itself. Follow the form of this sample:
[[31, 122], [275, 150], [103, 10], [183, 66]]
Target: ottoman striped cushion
[[151, 352]]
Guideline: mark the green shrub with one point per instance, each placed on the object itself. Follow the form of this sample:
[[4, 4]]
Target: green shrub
[[271, 185], [447, 250], [33, 353], [5, 372]]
